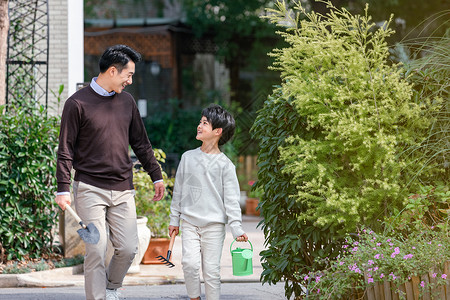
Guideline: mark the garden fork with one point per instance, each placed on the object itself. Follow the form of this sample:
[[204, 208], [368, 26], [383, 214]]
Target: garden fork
[[166, 260]]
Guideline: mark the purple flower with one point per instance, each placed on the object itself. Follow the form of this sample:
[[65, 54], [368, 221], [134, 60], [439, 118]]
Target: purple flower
[[422, 284], [370, 280], [377, 256], [370, 262], [388, 240], [434, 275], [444, 276], [306, 278], [407, 256], [381, 275], [378, 244], [376, 268], [318, 278]]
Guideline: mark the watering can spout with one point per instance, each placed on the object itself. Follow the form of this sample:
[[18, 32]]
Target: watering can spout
[[242, 260]]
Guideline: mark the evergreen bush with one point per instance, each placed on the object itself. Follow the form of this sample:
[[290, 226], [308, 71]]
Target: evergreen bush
[[332, 138], [28, 142]]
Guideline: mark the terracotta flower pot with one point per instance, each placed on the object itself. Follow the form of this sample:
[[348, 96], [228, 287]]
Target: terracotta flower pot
[[250, 206], [157, 246]]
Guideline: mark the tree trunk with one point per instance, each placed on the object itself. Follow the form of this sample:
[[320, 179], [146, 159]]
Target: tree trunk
[[4, 26]]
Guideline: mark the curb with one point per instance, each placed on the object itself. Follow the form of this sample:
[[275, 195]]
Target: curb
[[41, 278]]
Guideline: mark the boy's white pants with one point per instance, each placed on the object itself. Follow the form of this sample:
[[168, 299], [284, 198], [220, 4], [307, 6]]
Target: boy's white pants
[[202, 246]]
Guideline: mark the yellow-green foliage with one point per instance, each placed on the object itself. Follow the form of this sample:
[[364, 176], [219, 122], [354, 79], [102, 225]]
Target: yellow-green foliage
[[332, 137], [157, 212]]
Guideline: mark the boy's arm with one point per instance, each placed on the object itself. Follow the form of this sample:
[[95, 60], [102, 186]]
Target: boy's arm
[[231, 201]]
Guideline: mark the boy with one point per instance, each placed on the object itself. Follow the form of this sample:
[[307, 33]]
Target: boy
[[206, 197]]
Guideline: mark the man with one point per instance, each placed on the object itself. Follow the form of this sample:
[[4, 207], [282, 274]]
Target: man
[[98, 124]]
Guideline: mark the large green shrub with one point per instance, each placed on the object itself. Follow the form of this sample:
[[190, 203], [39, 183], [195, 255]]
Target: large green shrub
[[28, 142], [332, 138]]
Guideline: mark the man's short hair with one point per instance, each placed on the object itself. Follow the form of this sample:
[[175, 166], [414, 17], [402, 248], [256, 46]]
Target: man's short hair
[[220, 118], [118, 56]]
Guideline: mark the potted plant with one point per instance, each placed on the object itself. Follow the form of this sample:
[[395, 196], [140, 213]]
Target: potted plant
[[156, 212], [252, 201]]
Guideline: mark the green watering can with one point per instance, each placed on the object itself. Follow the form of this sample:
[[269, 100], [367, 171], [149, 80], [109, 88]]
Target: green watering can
[[242, 260]]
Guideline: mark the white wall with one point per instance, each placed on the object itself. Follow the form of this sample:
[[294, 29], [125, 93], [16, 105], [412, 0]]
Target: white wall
[[75, 44], [66, 64]]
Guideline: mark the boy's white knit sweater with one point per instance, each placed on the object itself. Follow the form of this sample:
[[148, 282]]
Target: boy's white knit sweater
[[206, 191]]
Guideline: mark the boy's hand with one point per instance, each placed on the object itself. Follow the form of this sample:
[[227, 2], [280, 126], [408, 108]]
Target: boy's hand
[[242, 238], [174, 229], [159, 191]]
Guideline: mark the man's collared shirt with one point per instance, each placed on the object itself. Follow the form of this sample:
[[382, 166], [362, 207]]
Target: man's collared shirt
[[98, 89]]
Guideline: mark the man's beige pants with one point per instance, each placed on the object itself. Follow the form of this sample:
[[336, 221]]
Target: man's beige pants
[[113, 211]]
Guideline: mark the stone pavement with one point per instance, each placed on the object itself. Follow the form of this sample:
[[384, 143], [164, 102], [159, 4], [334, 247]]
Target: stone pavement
[[151, 274]]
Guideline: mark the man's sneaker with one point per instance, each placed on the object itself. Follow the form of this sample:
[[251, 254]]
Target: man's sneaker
[[112, 295]]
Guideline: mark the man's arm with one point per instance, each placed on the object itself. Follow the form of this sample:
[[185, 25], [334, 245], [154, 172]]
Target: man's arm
[[67, 138]]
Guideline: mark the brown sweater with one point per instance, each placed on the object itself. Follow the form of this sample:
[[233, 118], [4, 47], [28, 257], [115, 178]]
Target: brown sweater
[[94, 138]]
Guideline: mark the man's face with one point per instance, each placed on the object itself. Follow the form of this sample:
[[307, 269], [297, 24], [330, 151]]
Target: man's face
[[121, 79]]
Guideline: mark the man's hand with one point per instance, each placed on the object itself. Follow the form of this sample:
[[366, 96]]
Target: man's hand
[[159, 191], [62, 200]]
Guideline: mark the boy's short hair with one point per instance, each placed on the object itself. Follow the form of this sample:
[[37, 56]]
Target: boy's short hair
[[118, 56], [220, 118]]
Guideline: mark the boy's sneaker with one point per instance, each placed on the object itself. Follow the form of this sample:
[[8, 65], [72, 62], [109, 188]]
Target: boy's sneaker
[[112, 295]]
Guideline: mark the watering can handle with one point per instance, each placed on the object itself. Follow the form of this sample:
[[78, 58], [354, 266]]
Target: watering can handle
[[235, 241]]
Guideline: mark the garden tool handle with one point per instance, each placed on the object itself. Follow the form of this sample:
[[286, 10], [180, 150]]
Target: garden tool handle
[[172, 239], [74, 214]]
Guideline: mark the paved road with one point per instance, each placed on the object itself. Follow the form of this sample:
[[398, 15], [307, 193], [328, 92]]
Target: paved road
[[230, 291]]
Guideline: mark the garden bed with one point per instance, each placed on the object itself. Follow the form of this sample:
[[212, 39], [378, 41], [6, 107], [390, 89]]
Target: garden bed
[[424, 287], [47, 262]]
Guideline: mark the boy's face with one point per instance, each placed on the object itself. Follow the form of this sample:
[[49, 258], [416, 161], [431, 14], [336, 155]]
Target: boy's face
[[205, 131]]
